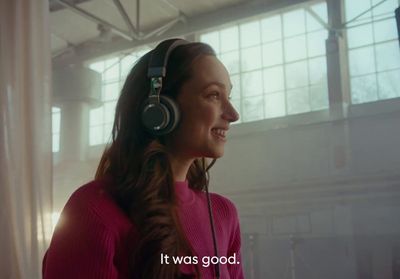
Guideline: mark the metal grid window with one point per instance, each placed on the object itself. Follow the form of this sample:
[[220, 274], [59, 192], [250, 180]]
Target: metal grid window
[[374, 57], [55, 128], [277, 63], [114, 71]]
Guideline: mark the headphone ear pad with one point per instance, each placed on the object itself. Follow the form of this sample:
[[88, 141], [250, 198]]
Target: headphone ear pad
[[165, 114]]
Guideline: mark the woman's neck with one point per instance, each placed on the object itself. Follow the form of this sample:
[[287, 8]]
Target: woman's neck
[[180, 166]]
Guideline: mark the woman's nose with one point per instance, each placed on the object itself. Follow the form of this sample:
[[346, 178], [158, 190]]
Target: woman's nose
[[230, 114]]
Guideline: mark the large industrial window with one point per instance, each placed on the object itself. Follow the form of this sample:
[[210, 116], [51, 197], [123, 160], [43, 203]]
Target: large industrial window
[[277, 62], [114, 71], [374, 56]]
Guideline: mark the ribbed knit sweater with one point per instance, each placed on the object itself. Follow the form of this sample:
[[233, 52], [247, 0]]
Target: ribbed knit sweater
[[94, 238]]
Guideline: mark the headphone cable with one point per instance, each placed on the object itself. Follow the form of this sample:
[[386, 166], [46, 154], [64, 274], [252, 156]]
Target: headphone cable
[[216, 267]]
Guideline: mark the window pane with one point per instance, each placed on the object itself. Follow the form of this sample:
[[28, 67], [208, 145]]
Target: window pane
[[385, 9], [319, 96], [317, 68], [385, 30], [274, 105], [97, 66], [298, 100], [321, 10], [229, 39], [96, 116], [295, 48], [272, 54], [273, 79], [251, 58], [55, 143], [110, 91], [235, 79], [109, 111], [127, 63], [111, 71], [212, 39], [388, 56], [252, 83], [95, 135], [55, 122], [236, 104], [355, 8], [55, 109], [363, 89], [231, 61], [359, 36], [296, 74], [293, 23], [271, 28], [107, 132], [253, 109], [316, 43], [361, 61], [389, 84], [110, 62], [250, 34]]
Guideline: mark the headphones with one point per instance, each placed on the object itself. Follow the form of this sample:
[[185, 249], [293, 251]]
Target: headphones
[[160, 114]]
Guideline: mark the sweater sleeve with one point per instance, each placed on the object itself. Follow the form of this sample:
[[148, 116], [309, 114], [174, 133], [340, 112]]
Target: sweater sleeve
[[81, 247], [235, 270]]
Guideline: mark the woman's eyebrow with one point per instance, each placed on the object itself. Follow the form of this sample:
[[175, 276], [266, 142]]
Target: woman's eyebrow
[[217, 83]]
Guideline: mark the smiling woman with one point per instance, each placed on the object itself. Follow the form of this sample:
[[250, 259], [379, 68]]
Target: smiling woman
[[150, 201]]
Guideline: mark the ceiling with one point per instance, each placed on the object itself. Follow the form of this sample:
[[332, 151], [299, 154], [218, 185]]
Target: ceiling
[[76, 23], [82, 30]]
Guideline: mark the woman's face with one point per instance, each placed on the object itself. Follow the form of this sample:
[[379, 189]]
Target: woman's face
[[206, 111]]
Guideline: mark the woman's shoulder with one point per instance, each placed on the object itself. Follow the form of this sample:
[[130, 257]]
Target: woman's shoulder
[[92, 192], [93, 201], [223, 200]]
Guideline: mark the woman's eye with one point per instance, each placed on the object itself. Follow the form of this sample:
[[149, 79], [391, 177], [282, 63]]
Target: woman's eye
[[214, 95]]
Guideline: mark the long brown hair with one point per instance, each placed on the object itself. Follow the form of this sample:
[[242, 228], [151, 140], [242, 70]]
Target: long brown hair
[[143, 179]]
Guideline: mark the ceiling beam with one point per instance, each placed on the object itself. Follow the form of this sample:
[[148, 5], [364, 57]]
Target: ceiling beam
[[125, 16], [56, 6], [97, 20]]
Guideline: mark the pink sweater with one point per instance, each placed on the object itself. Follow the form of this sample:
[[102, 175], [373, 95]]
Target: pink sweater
[[94, 238]]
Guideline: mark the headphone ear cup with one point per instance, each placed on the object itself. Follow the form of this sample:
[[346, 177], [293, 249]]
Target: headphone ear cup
[[174, 113], [165, 115]]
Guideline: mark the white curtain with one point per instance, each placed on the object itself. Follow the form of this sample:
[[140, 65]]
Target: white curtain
[[25, 137]]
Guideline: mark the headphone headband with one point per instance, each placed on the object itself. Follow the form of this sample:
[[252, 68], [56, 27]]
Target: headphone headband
[[159, 57]]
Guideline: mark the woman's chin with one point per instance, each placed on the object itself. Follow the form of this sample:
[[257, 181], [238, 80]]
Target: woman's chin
[[215, 153]]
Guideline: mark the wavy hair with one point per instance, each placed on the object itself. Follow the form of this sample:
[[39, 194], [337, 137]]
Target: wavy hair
[[139, 166]]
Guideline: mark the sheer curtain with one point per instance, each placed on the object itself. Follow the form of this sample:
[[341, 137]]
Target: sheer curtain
[[25, 137]]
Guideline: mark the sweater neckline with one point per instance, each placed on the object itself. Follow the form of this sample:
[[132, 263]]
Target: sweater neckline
[[184, 194]]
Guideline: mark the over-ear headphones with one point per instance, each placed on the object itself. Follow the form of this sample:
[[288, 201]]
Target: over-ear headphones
[[160, 114]]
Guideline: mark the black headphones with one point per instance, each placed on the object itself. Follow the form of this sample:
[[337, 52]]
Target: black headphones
[[160, 114]]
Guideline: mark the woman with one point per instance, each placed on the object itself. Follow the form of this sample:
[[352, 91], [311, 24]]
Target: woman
[[147, 207]]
